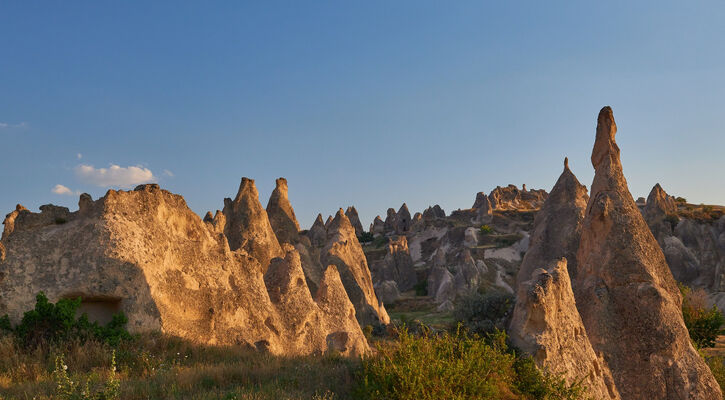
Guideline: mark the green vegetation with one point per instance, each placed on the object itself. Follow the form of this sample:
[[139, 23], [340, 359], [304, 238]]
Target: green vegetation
[[681, 200], [366, 237], [717, 366], [60, 221], [456, 366], [486, 230], [704, 324], [484, 313], [69, 361], [380, 241], [421, 288], [49, 323], [672, 219]]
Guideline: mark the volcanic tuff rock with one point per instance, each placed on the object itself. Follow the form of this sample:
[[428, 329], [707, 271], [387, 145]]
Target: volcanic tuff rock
[[391, 222], [377, 228], [351, 214], [281, 215], [144, 252], [387, 291], [547, 325], [557, 227], [247, 225], [396, 265], [625, 293], [344, 251], [318, 232], [483, 207], [434, 212], [402, 219]]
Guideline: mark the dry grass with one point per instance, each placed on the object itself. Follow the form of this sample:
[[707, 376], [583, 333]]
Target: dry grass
[[161, 367]]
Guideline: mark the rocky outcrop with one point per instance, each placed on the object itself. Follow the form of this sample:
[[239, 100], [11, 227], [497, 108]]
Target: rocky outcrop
[[660, 213], [281, 215], [557, 227], [402, 219], [511, 198], [377, 228], [248, 227], [344, 251], [625, 293], [434, 212], [317, 233], [387, 291], [144, 252], [547, 325], [396, 265], [483, 207], [391, 222], [351, 214]]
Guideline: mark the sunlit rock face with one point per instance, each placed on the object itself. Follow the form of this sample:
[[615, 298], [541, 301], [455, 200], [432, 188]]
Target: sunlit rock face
[[144, 252], [625, 293]]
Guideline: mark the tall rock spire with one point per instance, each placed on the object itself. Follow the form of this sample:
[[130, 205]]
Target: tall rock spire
[[282, 215], [247, 225], [625, 293]]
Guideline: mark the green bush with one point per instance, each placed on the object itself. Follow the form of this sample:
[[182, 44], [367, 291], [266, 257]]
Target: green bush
[[49, 322], [380, 241], [484, 313], [672, 219], [703, 324], [486, 230], [681, 200], [455, 366], [5, 325], [717, 366], [366, 237]]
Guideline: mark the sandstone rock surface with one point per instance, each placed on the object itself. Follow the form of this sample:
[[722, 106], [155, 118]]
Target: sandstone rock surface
[[281, 215], [627, 298], [144, 252]]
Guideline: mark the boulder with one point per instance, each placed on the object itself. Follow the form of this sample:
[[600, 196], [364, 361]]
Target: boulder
[[387, 292], [626, 295]]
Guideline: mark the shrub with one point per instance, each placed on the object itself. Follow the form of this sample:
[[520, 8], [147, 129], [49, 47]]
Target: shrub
[[484, 313], [68, 389], [717, 367], [49, 322], [681, 200], [5, 326], [672, 219], [421, 288], [366, 237], [380, 241], [486, 230], [703, 324], [455, 366]]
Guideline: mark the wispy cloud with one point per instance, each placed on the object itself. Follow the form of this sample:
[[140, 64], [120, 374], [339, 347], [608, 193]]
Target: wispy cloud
[[62, 190], [168, 173], [124, 177], [79, 156], [5, 125]]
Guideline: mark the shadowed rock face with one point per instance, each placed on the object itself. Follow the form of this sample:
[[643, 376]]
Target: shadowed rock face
[[434, 212], [344, 251], [547, 325], [658, 207], [557, 227], [318, 232], [148, 254], [627, 298], [377, 228], [281, 215], [247, 225], [396, 265], [351, 214]]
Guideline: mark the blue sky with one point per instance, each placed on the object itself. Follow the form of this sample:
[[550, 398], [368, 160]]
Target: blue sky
[[367, 103]]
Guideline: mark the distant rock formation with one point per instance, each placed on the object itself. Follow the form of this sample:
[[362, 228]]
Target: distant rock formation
[[377, 228], [144, 252], [625, 293], [396, 265], [281, 215], [402, 219], [344, 251], [511, 198], [351, 214], [317, 233], [434, 212], [391, 222], [248, 227]]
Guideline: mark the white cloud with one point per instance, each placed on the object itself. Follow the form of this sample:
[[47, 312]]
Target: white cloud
[[124, 177], [79, 156], [168, 173], [62, 190], [4, 125]]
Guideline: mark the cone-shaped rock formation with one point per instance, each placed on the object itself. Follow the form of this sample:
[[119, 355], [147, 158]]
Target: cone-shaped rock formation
[[281, 215]]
